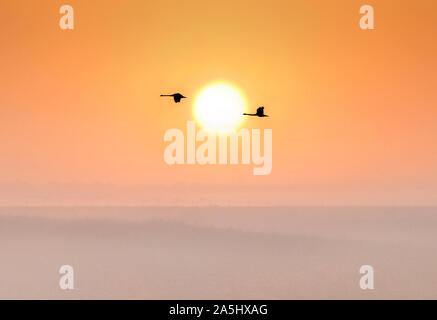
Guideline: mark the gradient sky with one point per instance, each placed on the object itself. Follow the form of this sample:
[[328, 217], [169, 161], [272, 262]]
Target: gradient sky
[[353, 112]]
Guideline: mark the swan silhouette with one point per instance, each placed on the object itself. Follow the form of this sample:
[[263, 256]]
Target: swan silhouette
[[176, 96], [259, 113]]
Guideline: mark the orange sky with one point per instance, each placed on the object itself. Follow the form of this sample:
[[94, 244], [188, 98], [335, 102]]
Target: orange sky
[[352, 111]]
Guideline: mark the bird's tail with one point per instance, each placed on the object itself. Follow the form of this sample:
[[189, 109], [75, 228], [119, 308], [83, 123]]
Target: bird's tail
[[166, 95], [249, 114]]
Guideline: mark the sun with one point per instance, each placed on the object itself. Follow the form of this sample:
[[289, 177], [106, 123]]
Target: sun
[[219, 108]]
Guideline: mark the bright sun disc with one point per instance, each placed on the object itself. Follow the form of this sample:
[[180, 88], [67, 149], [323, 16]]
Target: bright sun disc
[[219, 108]]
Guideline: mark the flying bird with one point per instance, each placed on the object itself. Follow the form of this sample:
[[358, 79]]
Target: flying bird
[[176, 96], [259, 113]]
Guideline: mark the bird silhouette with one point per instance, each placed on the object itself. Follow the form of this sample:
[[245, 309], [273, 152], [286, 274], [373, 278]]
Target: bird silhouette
[[176, 96], [259, 113]]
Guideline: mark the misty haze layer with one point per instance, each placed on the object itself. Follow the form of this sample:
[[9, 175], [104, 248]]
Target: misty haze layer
[[218, 253]]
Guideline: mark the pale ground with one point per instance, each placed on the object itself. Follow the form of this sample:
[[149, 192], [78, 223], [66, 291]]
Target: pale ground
[[218, 253]]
